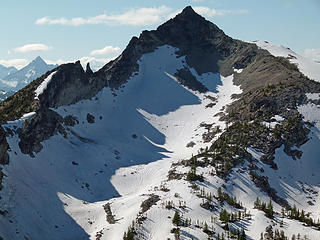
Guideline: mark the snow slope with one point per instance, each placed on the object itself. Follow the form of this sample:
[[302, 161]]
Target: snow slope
[[139, 132], [100, 161], [43, 85]]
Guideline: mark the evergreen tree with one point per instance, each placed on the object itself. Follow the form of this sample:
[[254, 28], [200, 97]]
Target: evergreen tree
[[269, 209], [129, 235], [176, 219], [257, 203], [224, 216], [205, 228]]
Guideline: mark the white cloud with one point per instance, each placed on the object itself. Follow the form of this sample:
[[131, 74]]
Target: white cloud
[[210, 12], [133, 17], [18, 63], [106, 51], [95, 63], [313, 54], [59, 61], [32, 48]]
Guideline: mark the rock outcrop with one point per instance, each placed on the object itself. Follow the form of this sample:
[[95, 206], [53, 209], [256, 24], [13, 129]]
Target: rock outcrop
[[70, 84], [4, 156], [43, 125]]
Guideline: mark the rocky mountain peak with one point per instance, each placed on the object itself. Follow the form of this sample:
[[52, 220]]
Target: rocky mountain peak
[[189, 14], [188, 27], [38, 60]]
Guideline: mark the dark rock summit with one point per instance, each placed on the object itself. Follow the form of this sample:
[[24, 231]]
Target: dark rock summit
[[88, 69]]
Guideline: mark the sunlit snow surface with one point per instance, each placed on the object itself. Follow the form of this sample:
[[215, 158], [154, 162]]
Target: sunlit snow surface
[[139, 131], [43, 85]]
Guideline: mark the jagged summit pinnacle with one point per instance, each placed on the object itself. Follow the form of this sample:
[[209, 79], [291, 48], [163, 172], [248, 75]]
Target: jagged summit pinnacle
[[38, 60], [88, 69], [187, 16], [189, 12]]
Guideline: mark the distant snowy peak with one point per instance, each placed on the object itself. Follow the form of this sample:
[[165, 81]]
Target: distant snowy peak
[[38, 60], [308, 67], [20, 78], [5, 71]]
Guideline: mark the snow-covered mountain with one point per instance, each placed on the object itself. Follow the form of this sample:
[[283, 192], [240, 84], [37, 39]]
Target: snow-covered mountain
[[5, 71], [174, 139], [13, 80]]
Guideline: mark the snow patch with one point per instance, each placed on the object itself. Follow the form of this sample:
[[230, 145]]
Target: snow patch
[[23, 118], [311, 113], [43, 85], [238, 70], [277, 119], [313, 96]]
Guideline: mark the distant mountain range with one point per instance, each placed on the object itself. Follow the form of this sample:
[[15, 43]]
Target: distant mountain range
[[12, 80], [5, 71]]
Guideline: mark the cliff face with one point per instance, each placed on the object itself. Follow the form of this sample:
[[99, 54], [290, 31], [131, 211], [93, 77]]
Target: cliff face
[[4, 156], [70, 84]]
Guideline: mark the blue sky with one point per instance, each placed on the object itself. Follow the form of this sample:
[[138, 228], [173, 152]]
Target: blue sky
[[98, 30]]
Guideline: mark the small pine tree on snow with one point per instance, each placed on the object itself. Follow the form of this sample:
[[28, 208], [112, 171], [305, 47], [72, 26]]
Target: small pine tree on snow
[[176, 219], [129, 235], [224, 216], [205, 228], [269, 209], [257, 203]]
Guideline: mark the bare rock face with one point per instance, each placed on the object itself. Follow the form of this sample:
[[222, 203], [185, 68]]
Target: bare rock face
[[90, 118], [4, 146], [4, 156], [43, 125], [69, 85]]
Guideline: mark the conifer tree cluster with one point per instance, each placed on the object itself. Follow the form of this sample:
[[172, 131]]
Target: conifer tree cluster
[[234, 234], [300, 215], [267, 208], [274, 235], [222, 196]]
